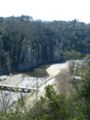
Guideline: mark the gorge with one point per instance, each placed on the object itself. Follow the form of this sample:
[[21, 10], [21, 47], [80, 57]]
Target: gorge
[[26, 44]]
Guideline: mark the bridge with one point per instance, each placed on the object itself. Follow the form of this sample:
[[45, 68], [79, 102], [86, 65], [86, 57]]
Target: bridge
[[13, 84], [16, 89]]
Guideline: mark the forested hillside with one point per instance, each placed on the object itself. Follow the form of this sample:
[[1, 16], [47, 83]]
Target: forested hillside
[[25, 43]]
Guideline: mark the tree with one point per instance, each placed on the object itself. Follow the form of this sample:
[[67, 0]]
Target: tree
[[85, 90]]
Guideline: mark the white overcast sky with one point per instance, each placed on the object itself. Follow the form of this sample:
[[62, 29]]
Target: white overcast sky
[[47, 9]]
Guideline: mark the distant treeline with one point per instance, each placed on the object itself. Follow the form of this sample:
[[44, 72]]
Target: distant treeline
[[25, 43]]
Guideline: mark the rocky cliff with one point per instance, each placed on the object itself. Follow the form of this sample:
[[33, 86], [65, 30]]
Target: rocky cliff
[[25, 44]]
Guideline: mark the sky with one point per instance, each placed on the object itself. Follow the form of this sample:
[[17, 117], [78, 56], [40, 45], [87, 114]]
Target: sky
[[47, 10]]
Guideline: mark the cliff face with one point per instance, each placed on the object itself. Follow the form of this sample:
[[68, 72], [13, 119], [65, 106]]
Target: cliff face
[[25, 44], [31, 55]]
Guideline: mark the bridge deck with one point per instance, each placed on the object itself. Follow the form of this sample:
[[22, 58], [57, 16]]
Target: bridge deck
[[16, 89]]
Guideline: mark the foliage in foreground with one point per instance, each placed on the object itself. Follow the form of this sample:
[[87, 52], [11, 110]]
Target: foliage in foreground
[[85, 89], [55, 106], [50, 107]]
